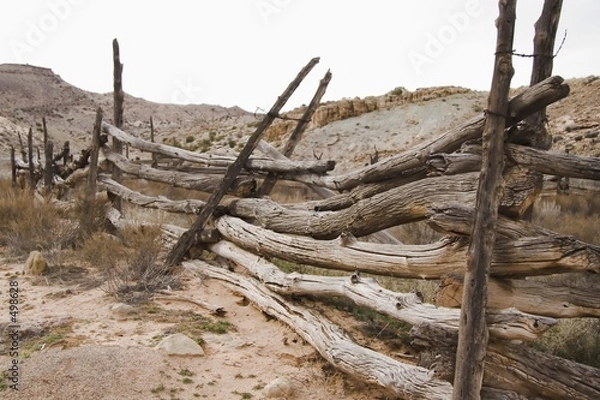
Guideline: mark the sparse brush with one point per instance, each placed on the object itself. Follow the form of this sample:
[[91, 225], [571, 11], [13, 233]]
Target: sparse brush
[[129, 262], [576, 339]]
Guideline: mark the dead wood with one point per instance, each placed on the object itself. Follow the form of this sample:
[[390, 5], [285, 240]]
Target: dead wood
[[255, 164], [408, 307], [332, 343], [518, 257], [204, 183], [188, 206], [468, 159], [213, 309], [534, 297], [514, 367]]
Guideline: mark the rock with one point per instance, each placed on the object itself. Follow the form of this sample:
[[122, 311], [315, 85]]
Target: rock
[[281, 388], [122, 309], [36, 264], [180, 345]]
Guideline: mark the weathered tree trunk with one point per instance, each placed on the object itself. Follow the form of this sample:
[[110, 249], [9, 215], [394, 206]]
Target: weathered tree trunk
[[176, 255], [530, 296]]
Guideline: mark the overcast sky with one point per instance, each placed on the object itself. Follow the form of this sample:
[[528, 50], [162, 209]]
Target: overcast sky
[[245, 52]]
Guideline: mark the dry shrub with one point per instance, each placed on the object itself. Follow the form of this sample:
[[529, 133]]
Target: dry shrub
[[129, 262], [576, 339], [27, 223]]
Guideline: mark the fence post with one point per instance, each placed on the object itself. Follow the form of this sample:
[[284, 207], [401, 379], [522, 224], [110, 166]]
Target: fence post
[[30, 159], [118, 97], [48, 170], [93, 172], [473, 333], [13, 166]]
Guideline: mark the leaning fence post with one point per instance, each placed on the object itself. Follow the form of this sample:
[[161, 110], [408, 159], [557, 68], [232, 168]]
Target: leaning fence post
[[186, 240], [271, 179]]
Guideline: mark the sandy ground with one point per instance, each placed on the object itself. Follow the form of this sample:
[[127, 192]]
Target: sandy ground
[[110, 356]]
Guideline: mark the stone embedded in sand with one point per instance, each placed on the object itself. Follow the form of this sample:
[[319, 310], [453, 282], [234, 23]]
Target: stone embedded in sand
[[122, 309], [36, 264], [180, 345], [281, 387]]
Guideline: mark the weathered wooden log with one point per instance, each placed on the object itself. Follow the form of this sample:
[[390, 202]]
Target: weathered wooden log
[[332, 343], [255, 164], [519, 257], [546, 92], [188, 206], [468, 159], [396, 206], [458, 220], [515, 367], [530, 296], [408, 307], [204, 183]]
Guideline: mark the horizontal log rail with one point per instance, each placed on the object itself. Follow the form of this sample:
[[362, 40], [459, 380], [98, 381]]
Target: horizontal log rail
[[254, 164], [203, 183], [519, 257], [364, 291], [530, 296], [468, 159]]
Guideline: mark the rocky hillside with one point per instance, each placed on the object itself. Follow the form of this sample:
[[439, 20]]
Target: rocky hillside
[[351, 131]]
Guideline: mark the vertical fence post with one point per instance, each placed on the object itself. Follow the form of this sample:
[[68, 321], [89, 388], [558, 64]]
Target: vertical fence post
[[93, 172], [118, 98], [30, 159], [473, 333], [48, 168], [13, 166]]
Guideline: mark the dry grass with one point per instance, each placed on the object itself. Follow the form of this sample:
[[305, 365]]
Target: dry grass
[[577, 339]]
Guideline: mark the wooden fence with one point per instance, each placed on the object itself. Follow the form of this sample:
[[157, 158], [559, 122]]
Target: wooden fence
[[435, 182]]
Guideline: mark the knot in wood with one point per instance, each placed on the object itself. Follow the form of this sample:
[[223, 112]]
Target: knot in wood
[[355, 277]]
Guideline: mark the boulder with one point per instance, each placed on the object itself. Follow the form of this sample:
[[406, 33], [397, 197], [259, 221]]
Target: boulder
[[280, 388], [36, 264], [180, 345]]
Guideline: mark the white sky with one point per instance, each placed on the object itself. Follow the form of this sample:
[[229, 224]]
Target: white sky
[[245, 52]]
